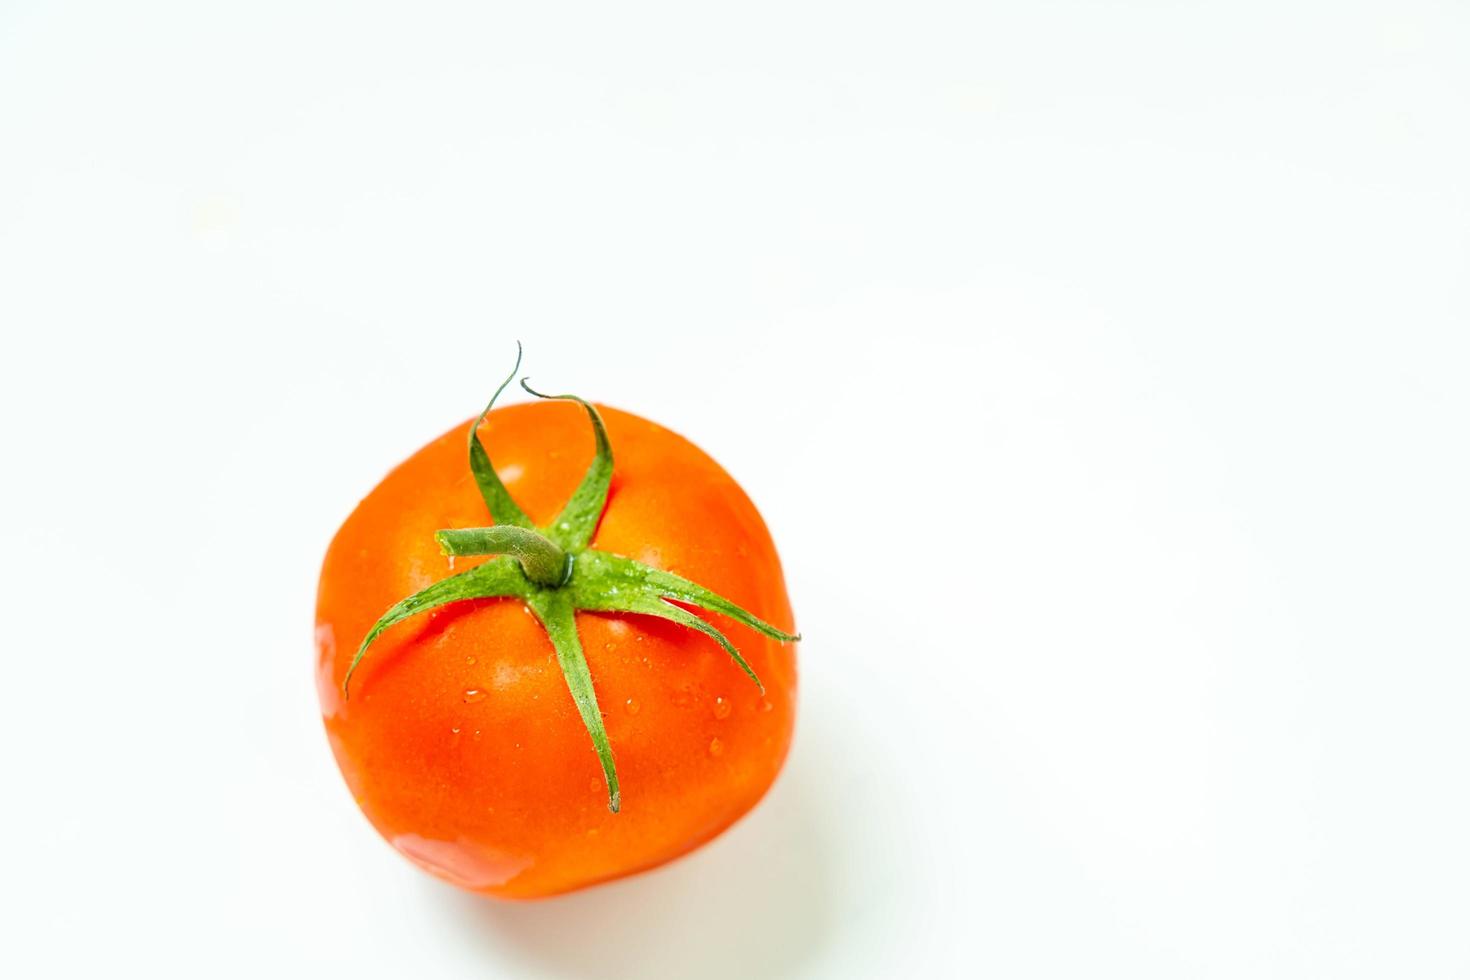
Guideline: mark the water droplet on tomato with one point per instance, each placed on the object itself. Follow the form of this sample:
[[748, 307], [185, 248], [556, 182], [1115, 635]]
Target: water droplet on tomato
[[723, 708], [469, 660], [632, 705], [716, 747], [451, 563], [766, 705], [474, 696]]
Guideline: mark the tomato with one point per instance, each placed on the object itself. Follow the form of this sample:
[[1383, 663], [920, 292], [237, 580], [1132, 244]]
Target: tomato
[[459, 736]]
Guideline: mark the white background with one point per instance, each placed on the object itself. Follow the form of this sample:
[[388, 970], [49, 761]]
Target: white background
[[1099, 368]]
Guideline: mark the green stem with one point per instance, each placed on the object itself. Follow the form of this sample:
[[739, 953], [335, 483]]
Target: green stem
[[577, 522], [498, 499], [559, 616], [496, 578], [543, 562], [556, 574]]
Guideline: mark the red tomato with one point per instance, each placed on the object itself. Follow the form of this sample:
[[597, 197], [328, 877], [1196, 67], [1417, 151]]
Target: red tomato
[[459, 737]]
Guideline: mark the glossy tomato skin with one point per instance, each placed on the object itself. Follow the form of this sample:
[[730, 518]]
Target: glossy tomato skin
[[460, 741]]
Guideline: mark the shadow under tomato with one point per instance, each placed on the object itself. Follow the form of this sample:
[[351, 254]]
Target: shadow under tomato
[[755, 902]]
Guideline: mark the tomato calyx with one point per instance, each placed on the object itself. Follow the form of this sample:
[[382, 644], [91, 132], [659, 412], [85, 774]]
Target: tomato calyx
[[554, 572]]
